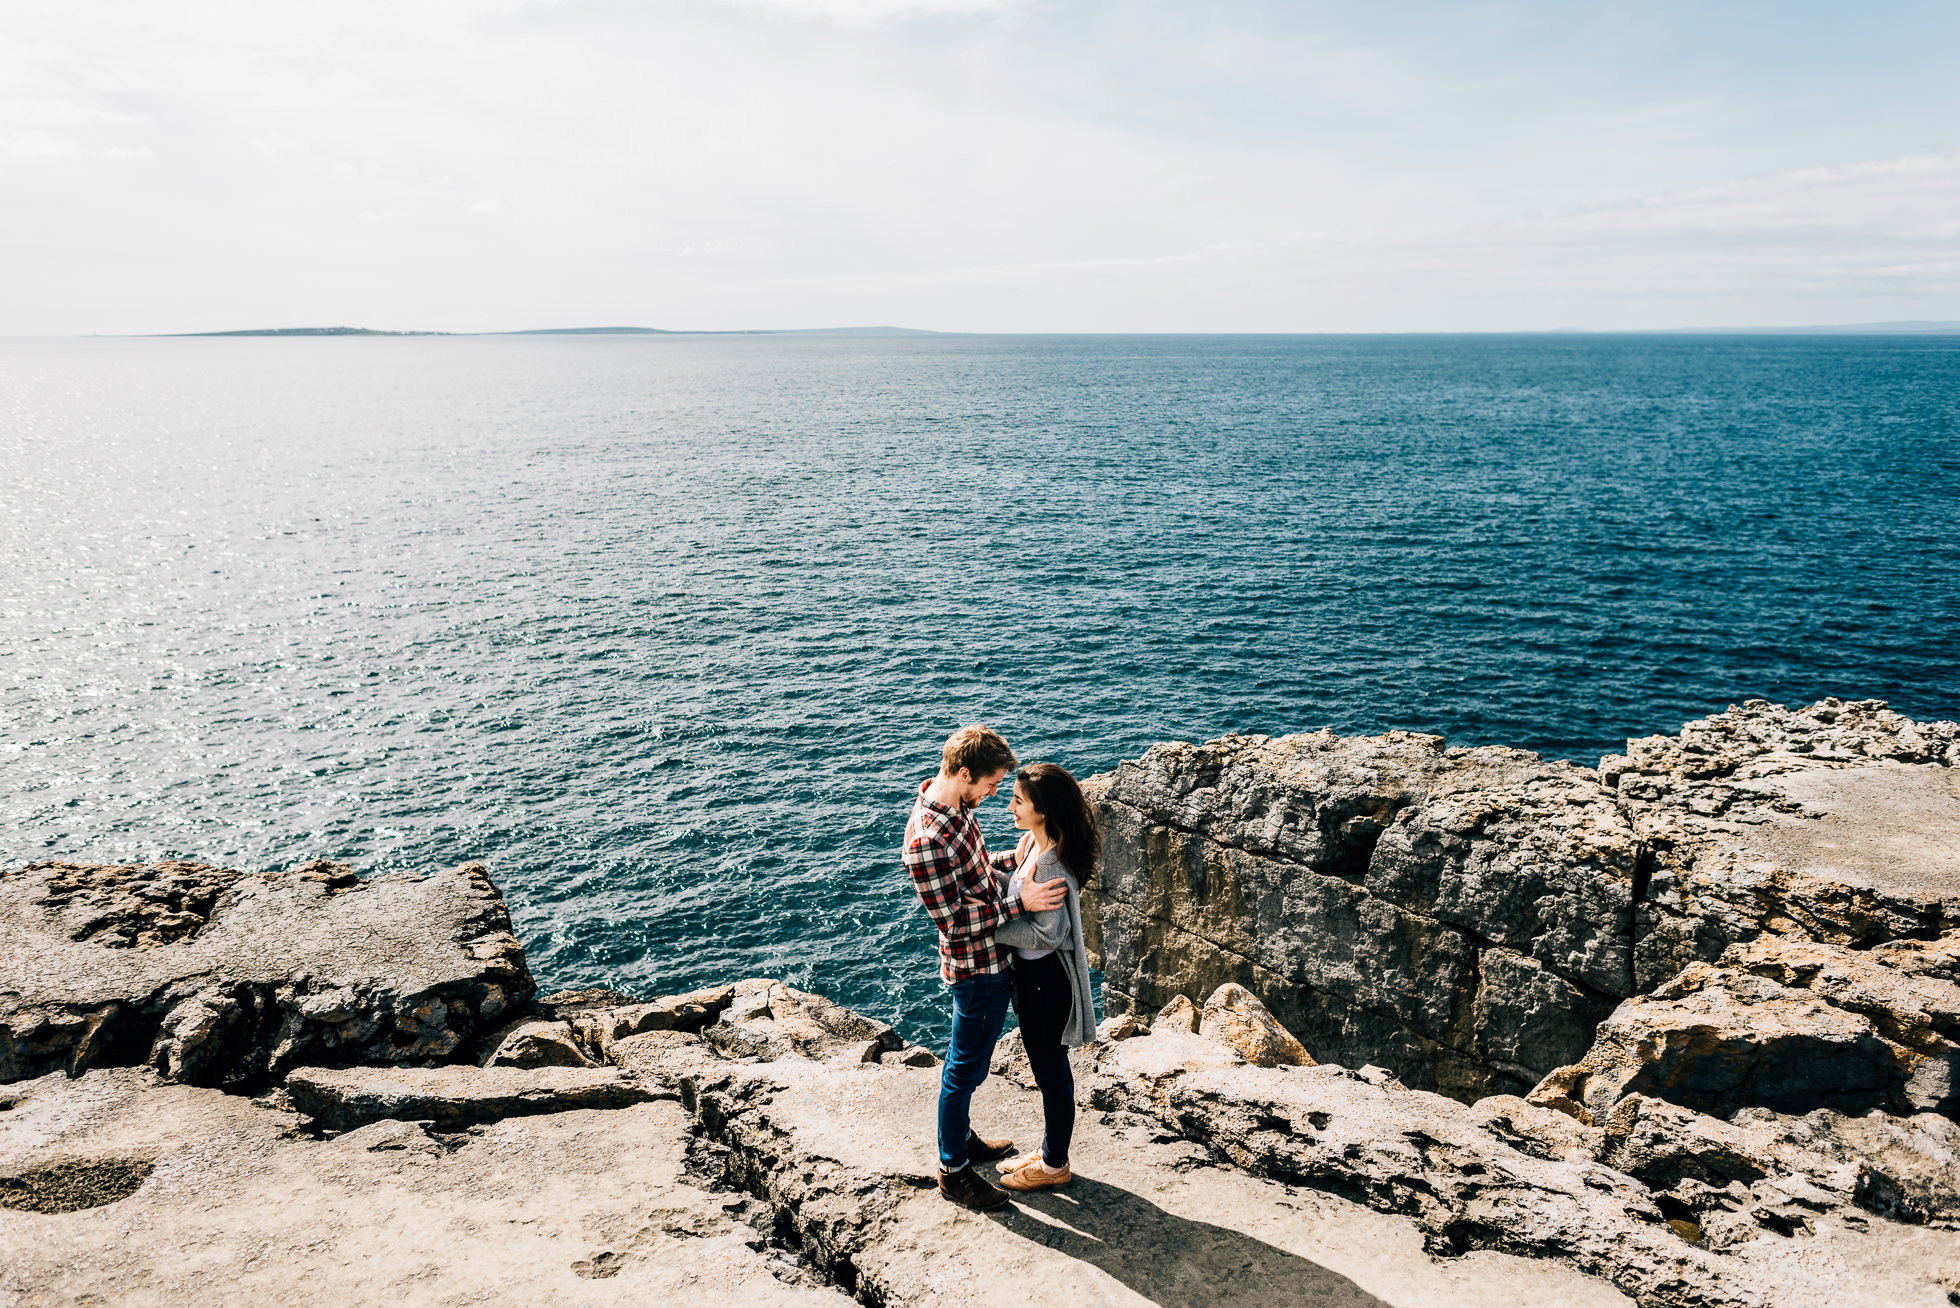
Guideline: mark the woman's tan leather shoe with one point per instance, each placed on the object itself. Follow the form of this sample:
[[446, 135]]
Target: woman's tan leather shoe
[[1016, 1164], [1036, 1177]]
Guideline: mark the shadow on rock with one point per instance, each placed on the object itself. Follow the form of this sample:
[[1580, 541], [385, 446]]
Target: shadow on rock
[[1171, 1260]]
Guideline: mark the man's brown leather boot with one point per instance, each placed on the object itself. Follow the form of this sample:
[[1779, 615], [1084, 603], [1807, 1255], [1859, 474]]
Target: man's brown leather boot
[[986, 1151], [969, 1189]]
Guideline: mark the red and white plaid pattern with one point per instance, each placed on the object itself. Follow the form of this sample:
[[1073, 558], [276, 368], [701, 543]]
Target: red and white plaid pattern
[[960, 887]]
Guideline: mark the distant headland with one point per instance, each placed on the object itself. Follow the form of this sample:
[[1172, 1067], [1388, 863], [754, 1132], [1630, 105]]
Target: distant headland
[[580, 331], [308, 331]]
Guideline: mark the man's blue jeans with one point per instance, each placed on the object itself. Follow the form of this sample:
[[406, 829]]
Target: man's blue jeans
[[979, 1012]]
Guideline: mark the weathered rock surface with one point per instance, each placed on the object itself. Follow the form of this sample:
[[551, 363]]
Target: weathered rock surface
[[1470, 917], [842, 1150], [233, 1206], [217, 978], [537, 1044], [1838, 823], [1180, 1014], [1203, 1179], [1725, 967], [1671, 1206], [580, 1028]]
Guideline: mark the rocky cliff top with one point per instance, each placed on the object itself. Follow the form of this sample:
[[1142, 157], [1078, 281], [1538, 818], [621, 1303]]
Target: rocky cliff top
[[1695, 1015]]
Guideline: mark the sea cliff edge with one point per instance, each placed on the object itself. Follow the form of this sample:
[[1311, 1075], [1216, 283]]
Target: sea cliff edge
[[1387, 1022]]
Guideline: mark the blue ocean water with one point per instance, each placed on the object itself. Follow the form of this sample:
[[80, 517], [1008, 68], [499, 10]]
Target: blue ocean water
[[665, 630]]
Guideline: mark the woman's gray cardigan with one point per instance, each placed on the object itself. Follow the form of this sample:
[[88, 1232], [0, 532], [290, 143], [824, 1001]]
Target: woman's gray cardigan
[[1059, 929]]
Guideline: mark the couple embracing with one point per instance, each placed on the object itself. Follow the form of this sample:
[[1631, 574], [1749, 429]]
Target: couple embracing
[[1010, 931]]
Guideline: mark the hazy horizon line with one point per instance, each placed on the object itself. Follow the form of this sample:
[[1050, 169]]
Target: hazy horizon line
[[1901, 327]]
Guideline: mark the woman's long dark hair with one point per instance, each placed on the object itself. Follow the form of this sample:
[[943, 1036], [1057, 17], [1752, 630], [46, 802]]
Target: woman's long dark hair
[[1070, 821]]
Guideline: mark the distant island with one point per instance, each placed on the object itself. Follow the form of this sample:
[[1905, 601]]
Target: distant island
[[1911, 327], [579, 331], [309, 331]]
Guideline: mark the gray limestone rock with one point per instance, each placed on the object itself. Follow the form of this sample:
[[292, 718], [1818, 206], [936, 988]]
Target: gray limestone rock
[[218, 978], [1470, 917], [1180, 1014], [1672, 1206], [1783, 1023], [136, 1190], [1908, 1167], [1464, 916]]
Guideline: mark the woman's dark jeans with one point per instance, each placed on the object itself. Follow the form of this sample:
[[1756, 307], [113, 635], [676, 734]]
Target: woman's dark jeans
[[1043, 1001], [979, 1012]]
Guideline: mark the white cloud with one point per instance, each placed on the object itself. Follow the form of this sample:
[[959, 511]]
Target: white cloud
[[22, 143], [872, 13], [983, 164]]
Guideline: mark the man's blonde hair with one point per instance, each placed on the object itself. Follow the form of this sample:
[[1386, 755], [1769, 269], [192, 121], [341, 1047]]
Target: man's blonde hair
[[980, 750]]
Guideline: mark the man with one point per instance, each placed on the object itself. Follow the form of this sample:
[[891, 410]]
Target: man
[[964, 892]]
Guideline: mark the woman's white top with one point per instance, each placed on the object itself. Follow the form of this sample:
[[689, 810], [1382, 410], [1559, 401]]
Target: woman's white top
[[1047, 856]]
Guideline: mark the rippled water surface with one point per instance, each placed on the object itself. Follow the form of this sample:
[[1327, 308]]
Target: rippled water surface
[[665, 630]]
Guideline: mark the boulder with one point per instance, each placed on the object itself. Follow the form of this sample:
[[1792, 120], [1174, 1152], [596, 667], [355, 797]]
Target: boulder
[[1662, 1144], [455, 1097], [651, 1053], [1917, 1011], [214, 977], [1180, 1014], [1234, 1016], [390, 1136], [1120, 1026], [538, 1044]]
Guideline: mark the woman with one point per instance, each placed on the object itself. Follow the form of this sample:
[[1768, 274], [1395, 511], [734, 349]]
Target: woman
[[1051, 968]]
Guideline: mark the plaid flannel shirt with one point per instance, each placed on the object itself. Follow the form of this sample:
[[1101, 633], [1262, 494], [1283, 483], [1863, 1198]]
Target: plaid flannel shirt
[[963, 890]]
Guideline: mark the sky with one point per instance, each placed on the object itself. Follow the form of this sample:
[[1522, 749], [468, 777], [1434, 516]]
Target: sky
[[975, 165]]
